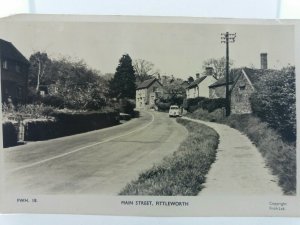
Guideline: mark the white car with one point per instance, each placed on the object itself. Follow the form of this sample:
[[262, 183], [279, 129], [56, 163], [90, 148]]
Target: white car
[[174, 111]]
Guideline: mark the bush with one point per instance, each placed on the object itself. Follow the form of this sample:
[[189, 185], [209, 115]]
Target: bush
[[274, 101], [163, 107], [127, 106], [10, 134], [67, 123], [184, 172], [203, 114], [205, 103], [52, 100]]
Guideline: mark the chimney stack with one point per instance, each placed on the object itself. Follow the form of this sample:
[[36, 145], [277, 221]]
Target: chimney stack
[[197, 75], [264, 61], [209, 71]]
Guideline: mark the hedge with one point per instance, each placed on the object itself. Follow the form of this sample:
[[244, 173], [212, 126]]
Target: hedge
[[68, 124], [10, 134], [274, 101], [205, 103]]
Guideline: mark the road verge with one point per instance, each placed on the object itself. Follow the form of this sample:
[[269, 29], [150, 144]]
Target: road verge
[[182, 173]]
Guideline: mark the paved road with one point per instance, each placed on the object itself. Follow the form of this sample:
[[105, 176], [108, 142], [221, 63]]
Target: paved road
[[97, 162], [239, 168]]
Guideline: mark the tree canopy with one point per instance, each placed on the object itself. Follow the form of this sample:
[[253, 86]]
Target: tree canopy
[[122, 85], [144, 70], [218, 65]]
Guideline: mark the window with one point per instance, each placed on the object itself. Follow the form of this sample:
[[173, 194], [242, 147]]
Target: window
[[19, 92], [5, 65], [242, 87], [154, 89], [18, 68]]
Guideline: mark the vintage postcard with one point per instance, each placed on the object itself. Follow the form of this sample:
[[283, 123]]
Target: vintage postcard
[[149, 116]]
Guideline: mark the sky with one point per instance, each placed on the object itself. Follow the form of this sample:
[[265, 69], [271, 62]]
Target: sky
[[175, 49]]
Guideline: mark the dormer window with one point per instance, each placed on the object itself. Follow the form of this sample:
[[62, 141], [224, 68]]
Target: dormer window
[[5, 65]]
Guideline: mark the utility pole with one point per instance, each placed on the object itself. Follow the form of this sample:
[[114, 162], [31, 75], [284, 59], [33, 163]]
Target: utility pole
[[227, 38]]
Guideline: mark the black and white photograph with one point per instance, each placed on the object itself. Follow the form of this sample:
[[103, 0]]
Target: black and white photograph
[[144, 109]]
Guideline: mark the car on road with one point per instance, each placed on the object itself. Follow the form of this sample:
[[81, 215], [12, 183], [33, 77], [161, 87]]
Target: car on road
[[174, 111]]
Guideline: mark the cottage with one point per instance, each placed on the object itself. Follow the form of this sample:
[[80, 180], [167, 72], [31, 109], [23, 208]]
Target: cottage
[[200, 87], [147, 92], [242, 84], [14, 73]]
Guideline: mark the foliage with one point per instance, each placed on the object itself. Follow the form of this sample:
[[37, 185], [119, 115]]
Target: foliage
[[184, 172], [218, 65], [123, 83], [274, 101], [127, 106], [10, 135], [190, 79], [144, 70], [280, 156], [205, 103], [39, 69]]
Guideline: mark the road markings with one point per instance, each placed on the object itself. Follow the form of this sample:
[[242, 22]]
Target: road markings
[[79, 149]]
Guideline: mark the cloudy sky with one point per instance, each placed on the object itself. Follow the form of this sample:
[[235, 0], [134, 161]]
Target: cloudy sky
[[177, 49]]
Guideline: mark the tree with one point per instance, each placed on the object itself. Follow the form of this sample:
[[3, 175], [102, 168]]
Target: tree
[[144, 70], [218, 65], [174, 92], [122, 85], [190, 79], [38, 74]]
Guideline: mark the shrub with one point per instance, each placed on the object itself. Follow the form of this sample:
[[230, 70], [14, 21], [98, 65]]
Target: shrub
[[184, 172], [52, 100], [274, 101], [127, 106], [205, 103], [10, 134], [163, 106]]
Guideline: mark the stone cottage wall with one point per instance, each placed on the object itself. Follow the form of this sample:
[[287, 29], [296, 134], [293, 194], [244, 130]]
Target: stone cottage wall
[[240, 95]]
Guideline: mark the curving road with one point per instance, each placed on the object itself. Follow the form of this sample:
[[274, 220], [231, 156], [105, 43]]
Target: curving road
[[97, 162]]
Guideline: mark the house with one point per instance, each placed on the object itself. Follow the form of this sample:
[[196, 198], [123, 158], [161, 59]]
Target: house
[[147, 92], [14, 73], [242, 83], [200, 86], [217, 89]]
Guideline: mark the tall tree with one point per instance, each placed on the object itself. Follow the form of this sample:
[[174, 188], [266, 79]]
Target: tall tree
[[122, 85], [39, 64], [144, 70], [218, 65]]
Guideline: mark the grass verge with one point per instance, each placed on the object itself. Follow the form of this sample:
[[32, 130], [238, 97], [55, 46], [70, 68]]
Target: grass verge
[[182, 173], [279, 155]]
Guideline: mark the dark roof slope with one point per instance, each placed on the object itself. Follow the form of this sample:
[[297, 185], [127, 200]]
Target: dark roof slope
[[253, 74], [233, 76], [196, 82], [9, 51], [147, 83]]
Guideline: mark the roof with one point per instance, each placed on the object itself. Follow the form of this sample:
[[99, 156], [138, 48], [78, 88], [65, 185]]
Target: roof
[[147, 83], [233, 75], [196, 82], [9, 51], [253, 75]]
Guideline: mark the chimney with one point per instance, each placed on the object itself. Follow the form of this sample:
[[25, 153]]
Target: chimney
[[197, 75], [209, 71], [264, 61]]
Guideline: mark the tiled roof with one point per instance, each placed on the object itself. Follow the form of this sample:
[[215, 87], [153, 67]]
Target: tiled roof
[[147, 83], [253, 75], [9, 51], [196, 82], [233, 75]]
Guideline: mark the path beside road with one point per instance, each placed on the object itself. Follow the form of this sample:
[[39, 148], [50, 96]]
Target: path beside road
[[239, 168]]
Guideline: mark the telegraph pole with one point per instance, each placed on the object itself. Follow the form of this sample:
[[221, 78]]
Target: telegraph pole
[[227, 38]]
